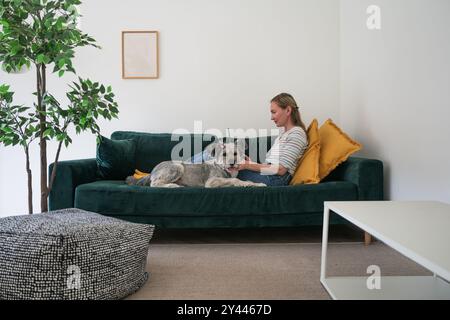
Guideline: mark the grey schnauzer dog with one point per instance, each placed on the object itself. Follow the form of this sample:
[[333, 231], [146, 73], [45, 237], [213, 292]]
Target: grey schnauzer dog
[[219, 171]]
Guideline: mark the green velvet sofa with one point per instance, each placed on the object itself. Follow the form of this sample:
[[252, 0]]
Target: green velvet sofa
[[78, 185]]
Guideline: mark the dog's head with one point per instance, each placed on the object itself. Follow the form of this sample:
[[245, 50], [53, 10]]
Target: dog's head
[[228, 152]]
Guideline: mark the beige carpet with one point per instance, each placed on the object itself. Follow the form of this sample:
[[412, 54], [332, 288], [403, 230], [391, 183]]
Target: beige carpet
[[260, 270]]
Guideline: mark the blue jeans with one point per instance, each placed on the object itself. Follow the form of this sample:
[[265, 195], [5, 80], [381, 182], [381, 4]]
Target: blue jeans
[[270, 180]]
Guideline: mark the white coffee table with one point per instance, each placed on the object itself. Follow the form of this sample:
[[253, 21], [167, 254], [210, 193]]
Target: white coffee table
[[420, 230]]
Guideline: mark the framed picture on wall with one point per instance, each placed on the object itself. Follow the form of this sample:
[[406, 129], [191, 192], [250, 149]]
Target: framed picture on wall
[[140, 55]]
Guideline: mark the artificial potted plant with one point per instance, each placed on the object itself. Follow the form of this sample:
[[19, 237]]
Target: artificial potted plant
[[44, 33]]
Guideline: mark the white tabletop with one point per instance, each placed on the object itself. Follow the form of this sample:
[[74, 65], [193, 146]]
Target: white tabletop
[[418, 229]]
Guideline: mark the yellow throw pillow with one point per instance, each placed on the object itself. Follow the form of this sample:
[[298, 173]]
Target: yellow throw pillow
[[139, 174], [308, 166], [335, 147]]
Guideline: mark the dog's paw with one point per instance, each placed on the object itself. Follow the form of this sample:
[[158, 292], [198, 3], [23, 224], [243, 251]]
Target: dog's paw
[[144, 182], [131, 180], [172, 185], [254, 184]]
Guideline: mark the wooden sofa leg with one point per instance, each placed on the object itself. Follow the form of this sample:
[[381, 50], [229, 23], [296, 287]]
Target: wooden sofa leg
[[367, 238]]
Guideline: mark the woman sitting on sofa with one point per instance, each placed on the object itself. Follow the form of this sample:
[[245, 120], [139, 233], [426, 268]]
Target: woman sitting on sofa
[[281, 160]]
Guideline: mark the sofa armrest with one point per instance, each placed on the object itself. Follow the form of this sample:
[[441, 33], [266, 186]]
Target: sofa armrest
[[367, 174], [69, 175]]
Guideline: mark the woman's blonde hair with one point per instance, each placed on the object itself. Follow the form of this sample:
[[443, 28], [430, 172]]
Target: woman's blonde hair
[[284, 100]]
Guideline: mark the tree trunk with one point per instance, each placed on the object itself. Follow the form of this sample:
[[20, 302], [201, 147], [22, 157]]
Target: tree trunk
[[41, 89], [55, 166], [30, 182], [44, 193]]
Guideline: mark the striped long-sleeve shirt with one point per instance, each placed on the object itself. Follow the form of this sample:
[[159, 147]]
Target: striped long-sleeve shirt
[[288, 148]]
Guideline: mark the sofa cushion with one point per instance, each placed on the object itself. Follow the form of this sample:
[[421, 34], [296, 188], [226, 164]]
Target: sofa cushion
[[115, 158], [335, 147], [153, 148], [308, 166], [115, 198]]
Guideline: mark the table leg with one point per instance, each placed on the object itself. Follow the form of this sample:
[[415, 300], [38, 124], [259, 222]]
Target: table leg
[[323, 265], [367, 238]]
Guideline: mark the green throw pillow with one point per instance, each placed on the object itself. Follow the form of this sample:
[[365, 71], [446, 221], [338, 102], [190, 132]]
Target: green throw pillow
[[115, 158]]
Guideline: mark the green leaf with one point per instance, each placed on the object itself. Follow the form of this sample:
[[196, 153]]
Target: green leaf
[[4, 89], [34, 47], [113, 109], [4, 23], [48, 132], [48, 23], [61, 63], [22, 109], [41, 58], [59, 24], [76, 85]]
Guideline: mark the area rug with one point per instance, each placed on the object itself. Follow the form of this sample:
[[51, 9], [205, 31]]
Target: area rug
[[260, 270]]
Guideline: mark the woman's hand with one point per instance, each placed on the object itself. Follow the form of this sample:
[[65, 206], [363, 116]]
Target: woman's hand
[[242, 166], [247, 159], [245, 165]]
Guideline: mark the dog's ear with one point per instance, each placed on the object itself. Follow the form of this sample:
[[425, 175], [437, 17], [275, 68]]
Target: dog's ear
[[211, 148], [215, 146]]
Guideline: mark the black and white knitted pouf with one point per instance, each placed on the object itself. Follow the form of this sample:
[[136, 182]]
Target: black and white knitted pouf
[[72, 254]]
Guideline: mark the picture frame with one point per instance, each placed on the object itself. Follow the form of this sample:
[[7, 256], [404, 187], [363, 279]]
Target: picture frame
[[140, 55]]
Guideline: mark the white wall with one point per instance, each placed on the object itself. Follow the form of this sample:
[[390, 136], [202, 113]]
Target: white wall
[[221, 61], [395, 95]]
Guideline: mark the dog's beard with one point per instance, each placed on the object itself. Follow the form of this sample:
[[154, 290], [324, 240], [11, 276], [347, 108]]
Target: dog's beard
[[232, 171]]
